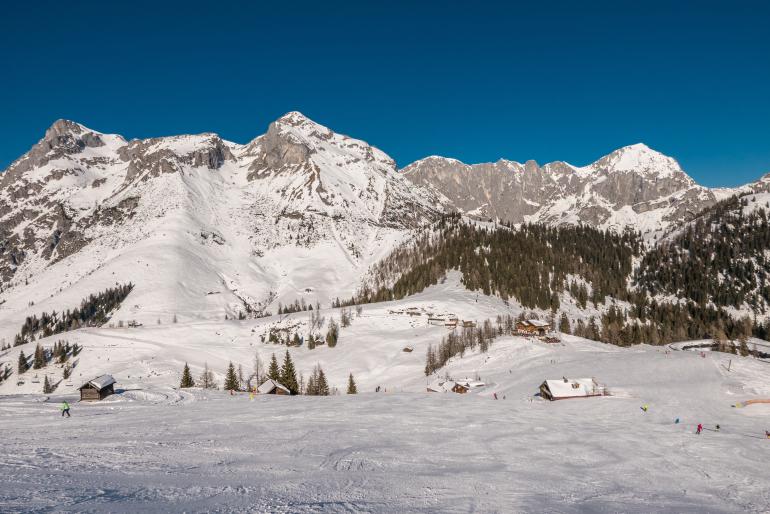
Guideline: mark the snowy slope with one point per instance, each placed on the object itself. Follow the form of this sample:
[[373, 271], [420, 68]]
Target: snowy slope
[[203, 227], [151, 447]]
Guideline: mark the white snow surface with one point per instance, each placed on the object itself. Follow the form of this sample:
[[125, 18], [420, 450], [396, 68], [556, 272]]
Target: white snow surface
[[152, 447]]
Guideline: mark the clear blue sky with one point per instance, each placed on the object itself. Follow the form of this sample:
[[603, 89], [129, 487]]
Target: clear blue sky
[[472, 80]]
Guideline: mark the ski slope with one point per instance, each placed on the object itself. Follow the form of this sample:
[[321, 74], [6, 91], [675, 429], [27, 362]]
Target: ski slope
[[152, 447]]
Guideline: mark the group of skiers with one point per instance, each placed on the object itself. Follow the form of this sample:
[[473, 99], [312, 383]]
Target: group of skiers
[[699, 428]]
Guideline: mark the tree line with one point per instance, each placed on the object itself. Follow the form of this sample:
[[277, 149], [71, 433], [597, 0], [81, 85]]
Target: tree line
[[93, 311]]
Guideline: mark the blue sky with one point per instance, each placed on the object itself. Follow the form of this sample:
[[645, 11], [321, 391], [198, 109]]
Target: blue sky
[[475, 81]]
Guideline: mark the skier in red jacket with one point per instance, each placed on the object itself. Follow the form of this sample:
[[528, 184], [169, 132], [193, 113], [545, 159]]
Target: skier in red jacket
[[700, 427]]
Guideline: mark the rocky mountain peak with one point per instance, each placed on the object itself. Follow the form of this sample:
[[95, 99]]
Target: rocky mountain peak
[[641, 159], [71, 135]]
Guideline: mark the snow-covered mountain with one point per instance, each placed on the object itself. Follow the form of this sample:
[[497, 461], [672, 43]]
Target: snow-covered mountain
[[634, 186], [206, 228], [219, 228]]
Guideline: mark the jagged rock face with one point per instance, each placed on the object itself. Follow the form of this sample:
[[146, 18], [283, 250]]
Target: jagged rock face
[[632, 187], [313, 171]]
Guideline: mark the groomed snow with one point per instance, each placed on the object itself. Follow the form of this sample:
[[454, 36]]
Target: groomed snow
[[151, 447]]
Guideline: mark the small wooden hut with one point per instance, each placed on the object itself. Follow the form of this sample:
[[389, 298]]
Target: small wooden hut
[[271, 386], [97, 389], [571, 388]]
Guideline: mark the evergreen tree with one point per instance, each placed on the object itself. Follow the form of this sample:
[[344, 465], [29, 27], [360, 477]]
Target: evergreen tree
[[564, 327], [47, 387], [352, 385], [39, 359], [23, 366], [67, 371], [289, 375], [187, 379], [231, 379], [273, 372], [321, 385]]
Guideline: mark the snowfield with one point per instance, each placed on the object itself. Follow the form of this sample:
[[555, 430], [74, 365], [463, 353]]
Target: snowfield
[[151, 447]]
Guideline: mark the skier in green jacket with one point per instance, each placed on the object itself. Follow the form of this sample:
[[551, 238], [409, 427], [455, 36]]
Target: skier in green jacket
[[65, 409]]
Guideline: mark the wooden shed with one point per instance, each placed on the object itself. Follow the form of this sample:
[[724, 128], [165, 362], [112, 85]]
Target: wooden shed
[[97, 389], [271, 386]]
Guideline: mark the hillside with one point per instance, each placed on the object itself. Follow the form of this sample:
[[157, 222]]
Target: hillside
[[719, 259], [203, 227], [403, 451]]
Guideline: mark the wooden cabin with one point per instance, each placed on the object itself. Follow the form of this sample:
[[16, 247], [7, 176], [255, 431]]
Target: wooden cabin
[[448, 386], [564, 389], [534, 327], [97, 389], [271, 386]]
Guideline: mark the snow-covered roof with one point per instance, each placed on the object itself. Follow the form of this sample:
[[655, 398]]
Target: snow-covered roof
[[472, 384], [270, 384], [444, 386], [572, 388], [537, 322], [100, 382]]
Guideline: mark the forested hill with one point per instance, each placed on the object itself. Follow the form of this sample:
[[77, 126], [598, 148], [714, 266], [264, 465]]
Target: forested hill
[[533, 263], [538, 266], [720, 259]]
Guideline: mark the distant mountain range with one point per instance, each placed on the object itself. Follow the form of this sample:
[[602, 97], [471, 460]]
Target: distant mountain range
[[299, 212]]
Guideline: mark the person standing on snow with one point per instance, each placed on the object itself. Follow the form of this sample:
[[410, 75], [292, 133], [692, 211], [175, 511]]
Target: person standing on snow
[[700, 427], [65, 409]]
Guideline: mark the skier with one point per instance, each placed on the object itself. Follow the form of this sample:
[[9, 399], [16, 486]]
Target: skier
[[717, 428], [767, 434], [65, 409], [495, 395], [700, 428], [676, 421]]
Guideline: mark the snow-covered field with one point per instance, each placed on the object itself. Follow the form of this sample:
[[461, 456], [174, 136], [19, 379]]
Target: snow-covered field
[[153, 448]]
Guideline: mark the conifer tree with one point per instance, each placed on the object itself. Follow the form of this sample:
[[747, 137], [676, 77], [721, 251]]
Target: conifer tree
[[352, 385], [289, 375], [47, 386], [231, 379], [564, 327], [273, 372], [322, 387], [23, 366], [67, 371], [187, 379], [39, 360]]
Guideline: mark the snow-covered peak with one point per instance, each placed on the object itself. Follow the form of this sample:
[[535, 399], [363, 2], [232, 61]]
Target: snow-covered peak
[[301, 126], [638, 158]]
